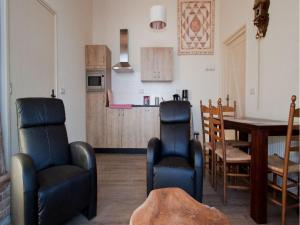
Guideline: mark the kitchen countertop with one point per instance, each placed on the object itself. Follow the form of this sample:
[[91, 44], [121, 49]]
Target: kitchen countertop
[[145, 105]]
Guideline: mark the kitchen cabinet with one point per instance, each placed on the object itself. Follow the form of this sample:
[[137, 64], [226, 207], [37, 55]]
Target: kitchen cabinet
[[97, 57], [113, 128], [131, 128], [95, 119], [148, 125], [156, 64]]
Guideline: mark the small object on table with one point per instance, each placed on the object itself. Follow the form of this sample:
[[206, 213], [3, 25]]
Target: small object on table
[[146, 100], [173, 206], [120, 106], [176, 97], [156, 100], [185, 95]]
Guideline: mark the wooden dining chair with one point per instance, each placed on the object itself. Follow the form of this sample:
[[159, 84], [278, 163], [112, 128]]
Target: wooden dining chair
[[207, 144], [231, 111], [286, 169], [228, 158]]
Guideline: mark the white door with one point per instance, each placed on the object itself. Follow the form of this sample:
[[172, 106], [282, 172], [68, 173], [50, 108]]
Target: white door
[[32, 54], [234, 64]]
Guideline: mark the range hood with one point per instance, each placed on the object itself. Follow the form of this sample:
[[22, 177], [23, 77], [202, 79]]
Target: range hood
[[123, 66]]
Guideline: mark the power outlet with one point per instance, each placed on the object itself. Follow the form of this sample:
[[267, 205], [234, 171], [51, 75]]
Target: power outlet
[[252, 91]]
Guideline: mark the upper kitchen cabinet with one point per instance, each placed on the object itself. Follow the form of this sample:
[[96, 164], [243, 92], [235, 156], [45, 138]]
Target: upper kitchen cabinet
[[97, 57], [156, 64]]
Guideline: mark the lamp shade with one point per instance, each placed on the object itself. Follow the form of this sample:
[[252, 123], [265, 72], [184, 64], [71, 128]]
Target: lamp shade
[[158, 19]]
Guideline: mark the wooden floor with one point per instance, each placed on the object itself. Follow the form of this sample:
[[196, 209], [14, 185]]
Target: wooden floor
[[122, 188]]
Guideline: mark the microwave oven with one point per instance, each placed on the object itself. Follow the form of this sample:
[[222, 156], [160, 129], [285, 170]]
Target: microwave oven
[[95, 80]]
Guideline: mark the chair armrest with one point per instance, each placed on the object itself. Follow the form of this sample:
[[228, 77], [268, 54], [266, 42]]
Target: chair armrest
[[23, 190], [197, 161], [153, 150], [196, 153], [82, 155]]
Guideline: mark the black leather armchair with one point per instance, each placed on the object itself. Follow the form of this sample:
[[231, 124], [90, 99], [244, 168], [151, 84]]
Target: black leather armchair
[[175, 160], [52, 180]]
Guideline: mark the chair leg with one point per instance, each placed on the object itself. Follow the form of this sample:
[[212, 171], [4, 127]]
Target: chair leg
[[283, 209], [275, 183], [213, 170], [91, 210], [224, 183]]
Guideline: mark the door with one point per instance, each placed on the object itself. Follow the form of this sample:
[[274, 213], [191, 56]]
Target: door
[[165, 63], [113, 128], [233, 79], [130, 128], [32, 54], [95, 119], [95, 57], [147, 64]]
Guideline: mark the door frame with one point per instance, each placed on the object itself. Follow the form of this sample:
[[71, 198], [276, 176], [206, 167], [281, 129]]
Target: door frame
[[6, 85], [237, 34], [5, 100], [53, 13]]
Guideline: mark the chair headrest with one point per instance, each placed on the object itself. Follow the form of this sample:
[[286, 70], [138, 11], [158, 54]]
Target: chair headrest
[[34, 112], [175, 111]]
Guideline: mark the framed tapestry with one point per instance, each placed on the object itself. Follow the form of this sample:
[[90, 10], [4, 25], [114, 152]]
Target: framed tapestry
[[196, 21]]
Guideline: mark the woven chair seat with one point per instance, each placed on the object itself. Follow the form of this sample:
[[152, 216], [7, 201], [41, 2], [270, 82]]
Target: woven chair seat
[[276, 164], [238, 143], [233, 155]]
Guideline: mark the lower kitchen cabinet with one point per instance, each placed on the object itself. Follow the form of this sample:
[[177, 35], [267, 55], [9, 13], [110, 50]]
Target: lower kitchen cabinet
[[113, 128], [95, 119], [131, 128], [148, 125]]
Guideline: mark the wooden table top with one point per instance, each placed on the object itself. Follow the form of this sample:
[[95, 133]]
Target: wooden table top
[[173, 206], [257, 121]]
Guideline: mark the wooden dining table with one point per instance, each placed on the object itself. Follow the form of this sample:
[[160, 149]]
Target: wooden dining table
[[260, 130]]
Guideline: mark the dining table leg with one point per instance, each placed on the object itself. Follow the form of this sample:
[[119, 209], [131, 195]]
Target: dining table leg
[[259, 166]]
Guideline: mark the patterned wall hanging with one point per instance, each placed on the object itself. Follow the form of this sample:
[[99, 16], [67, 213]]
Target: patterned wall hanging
[[196, 27]]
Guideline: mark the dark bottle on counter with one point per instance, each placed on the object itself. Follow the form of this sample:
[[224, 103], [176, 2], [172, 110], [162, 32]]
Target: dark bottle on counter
[[185, 95]]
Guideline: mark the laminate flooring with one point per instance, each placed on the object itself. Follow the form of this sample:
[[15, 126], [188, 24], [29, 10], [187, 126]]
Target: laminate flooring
[[122, 188]]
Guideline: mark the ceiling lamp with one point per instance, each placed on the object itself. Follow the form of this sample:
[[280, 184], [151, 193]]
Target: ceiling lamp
[[158, 19]]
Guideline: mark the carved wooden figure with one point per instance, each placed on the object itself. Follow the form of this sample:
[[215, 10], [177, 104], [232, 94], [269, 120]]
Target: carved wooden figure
[[261, 17]]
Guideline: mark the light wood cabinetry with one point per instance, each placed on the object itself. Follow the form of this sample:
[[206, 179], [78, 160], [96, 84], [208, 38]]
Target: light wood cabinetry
[[95, 119], [113, 128], [148, 125], [131, 128], [156, 64], [97, 57]]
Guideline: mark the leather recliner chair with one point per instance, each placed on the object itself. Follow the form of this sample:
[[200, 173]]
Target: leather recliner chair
[[174, 160], [52, 180]]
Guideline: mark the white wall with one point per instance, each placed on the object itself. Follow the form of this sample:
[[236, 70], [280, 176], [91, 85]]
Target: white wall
[[278, 53], [109, 16], [74, 30], [4, 81]]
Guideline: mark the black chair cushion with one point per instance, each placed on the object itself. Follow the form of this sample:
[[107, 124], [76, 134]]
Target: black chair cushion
[[174, 172], [46, 145], [175, 139], [175, 128], [175, 112], [40, 112], [63, 192]]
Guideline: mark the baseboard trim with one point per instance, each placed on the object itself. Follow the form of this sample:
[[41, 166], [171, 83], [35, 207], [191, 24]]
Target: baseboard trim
[[121, 150]]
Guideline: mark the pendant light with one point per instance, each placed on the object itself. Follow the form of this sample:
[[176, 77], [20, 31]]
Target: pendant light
[[158, 18]]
